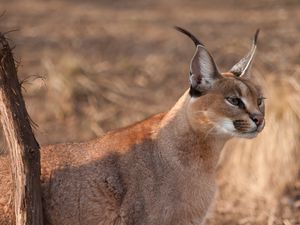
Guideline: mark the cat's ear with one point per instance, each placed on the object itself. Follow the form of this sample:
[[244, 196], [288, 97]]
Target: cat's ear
[[203, 70], [243, 67]]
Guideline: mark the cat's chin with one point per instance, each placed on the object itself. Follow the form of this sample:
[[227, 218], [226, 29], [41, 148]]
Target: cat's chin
[[248, 135]]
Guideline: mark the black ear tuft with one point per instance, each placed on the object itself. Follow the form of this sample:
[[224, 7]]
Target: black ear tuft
[[256, 36], [190, 35]]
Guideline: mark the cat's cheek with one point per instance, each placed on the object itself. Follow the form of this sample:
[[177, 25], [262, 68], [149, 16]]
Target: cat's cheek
[[226, 126]]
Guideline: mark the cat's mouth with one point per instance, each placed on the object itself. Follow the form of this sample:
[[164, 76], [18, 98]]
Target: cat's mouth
[[241, 128], [246, 129]]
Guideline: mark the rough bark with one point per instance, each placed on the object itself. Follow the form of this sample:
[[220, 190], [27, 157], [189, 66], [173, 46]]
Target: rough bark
[[23, 147]]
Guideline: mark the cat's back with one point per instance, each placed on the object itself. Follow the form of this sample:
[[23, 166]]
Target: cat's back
[[117, 142]]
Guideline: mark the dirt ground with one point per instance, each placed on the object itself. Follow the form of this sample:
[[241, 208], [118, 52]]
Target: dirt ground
[[92, 66]]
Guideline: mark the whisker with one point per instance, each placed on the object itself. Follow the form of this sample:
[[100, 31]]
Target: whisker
[[209, 131], [201, 111]]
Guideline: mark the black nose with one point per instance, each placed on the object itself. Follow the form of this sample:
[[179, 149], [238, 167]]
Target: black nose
[[257, 119]]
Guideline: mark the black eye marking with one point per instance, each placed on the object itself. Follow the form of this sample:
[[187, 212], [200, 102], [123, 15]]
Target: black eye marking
[[236, 102], [260, 100]]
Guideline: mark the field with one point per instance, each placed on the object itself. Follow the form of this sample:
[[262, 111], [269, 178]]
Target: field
[[92, 66]]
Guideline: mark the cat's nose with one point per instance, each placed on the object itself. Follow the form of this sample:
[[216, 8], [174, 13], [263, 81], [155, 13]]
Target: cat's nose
[[258, 119]]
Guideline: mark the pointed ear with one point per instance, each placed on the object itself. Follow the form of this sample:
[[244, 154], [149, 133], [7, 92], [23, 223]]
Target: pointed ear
[[203, 70], [242, 68]]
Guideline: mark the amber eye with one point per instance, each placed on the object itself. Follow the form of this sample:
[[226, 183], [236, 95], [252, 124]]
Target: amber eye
[[260, 101], [236, 102]]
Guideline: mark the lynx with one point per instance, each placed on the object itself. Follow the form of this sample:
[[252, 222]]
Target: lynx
[[159, 171]]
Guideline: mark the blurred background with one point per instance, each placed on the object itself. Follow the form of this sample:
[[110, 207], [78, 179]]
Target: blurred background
[[91, 66]]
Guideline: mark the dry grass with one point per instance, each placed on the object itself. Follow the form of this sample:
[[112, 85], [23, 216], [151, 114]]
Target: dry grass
[[109, 64]]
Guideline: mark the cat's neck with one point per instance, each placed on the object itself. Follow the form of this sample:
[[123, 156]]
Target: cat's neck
[[179, 142]]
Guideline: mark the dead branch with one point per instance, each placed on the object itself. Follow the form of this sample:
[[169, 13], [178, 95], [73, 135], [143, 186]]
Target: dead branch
[[23, 147]]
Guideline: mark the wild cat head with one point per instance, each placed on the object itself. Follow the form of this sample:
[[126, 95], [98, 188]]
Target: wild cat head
[[231, 103]]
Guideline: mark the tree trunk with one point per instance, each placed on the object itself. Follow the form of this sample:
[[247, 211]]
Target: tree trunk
[[23, 147]]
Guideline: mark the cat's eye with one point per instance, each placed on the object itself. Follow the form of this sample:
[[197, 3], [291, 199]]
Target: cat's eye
[[236, 102], [260, 101]]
